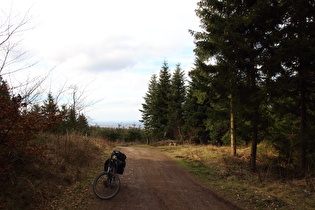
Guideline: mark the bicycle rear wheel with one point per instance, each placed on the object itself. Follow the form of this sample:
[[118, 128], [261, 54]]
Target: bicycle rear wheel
[[106, 185]]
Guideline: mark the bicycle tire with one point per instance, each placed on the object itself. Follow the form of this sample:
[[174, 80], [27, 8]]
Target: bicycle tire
[[106, 185]]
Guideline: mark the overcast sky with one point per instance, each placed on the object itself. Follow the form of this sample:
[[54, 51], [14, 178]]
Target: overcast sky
[[109, 49]]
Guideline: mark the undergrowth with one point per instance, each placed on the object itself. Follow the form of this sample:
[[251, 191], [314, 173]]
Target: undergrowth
[[34, 182], [271, 187]]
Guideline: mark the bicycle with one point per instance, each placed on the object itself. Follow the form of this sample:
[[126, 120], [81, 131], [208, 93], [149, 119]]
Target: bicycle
[[107, 184]]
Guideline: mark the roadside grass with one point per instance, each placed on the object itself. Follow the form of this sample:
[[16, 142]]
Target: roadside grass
[[271, 187], [79, 195], [60, 180], [63, 180]]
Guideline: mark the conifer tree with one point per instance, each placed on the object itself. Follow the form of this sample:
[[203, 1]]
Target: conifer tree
[[233, 33], [293, 87], [196, 108], [176, 102], [72, 118], [82, 124], [51, 114], [149, 113], [50, 106], [162, 102]]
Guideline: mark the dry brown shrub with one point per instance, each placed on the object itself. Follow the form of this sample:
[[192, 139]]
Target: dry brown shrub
[[33, 181]]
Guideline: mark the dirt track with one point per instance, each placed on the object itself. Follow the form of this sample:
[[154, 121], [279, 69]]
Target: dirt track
[[153, 181]]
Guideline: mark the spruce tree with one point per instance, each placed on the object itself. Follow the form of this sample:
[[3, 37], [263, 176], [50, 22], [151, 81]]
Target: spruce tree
[[162, 102], [51, 114], [149, 112], [196, 108], [293, 87], [72, 119], [176, 102], [82, 125], [50, 106], [233, 33]]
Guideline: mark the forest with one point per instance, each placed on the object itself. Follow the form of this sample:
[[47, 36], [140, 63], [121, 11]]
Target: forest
[[253, 81]]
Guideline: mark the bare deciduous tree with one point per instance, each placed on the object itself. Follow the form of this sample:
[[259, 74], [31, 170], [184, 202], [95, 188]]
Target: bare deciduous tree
[[13, 60], [11, 27]]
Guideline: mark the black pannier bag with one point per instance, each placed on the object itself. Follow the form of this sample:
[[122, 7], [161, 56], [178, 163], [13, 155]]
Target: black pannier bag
[[121, 167], [120, 156], [121, 163]]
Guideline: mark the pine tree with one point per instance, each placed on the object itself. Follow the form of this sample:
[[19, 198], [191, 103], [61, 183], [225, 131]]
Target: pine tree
[[196, 108], [176, 102], [82, 125], [51, 114], [149, 114], [294, 86], [234, 34], [50, 106], [162, 102], [72, 118]]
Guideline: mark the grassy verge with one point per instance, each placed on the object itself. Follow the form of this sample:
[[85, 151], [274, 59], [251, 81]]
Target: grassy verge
[[60, 180], [78, 195], [230, 177], [63, 180]]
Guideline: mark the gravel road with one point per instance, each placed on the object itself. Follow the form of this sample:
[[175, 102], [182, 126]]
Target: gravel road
[[153, 181]]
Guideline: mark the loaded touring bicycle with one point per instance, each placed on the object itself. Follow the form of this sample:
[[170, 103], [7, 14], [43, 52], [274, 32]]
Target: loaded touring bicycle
[[107, 184]]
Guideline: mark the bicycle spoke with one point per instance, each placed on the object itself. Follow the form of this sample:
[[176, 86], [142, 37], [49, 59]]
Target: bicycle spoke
[[106, 186]]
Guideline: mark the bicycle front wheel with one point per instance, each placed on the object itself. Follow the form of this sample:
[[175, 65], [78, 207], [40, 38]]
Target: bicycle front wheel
[[106, 185]]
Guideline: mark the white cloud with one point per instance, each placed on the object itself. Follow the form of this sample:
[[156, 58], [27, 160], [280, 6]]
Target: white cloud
[[115, 44]]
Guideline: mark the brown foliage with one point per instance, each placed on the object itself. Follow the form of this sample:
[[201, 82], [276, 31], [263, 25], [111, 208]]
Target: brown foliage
[[35, 182], [16, 129]]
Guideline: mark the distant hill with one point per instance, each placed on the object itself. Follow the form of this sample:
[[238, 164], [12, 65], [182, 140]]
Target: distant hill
[[116, 124]]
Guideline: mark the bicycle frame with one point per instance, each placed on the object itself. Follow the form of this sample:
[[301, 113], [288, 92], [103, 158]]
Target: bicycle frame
[[107, 184], [112, 166]]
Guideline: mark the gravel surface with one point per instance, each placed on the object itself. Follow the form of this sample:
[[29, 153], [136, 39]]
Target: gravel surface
[[153, 181]]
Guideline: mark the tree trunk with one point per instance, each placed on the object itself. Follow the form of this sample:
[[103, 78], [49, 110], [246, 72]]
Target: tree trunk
[[180, 134], [233, 142], [303, 125], [254, 119], [254, 146]]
